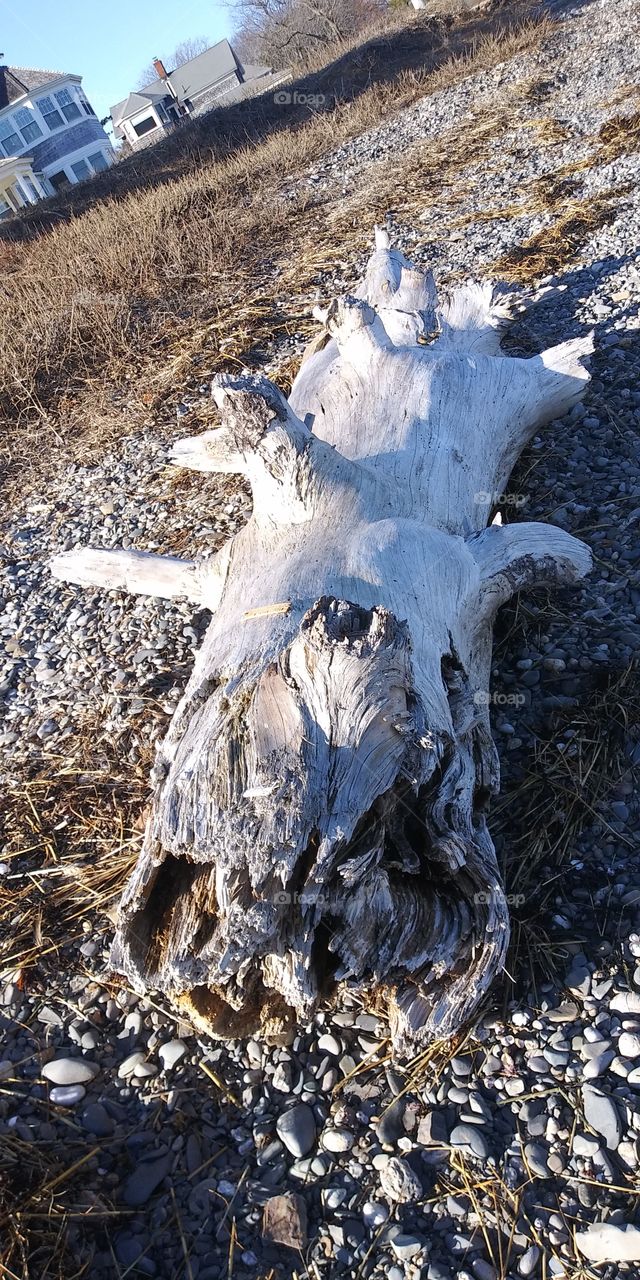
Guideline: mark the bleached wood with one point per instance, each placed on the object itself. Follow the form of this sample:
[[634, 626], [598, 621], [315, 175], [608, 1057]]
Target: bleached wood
[[320, 798], [142, 573]]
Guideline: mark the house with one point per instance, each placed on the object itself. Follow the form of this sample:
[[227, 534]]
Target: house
[[49, 136], [212, 77]]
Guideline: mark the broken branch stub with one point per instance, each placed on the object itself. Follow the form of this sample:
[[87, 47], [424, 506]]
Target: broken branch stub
[[319, 812]]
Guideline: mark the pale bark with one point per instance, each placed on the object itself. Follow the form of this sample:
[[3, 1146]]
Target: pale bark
[[320, 799]]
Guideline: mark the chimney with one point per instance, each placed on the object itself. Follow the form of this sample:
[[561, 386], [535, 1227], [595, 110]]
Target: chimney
[[163, 75]]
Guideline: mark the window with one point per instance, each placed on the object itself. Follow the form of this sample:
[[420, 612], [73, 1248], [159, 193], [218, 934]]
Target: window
[[68, 107], [29, 127], [145, 126], [5, 209], [52, 118], [10, 141], [81, 169], [99, 161], [86, 106], [59, 180]]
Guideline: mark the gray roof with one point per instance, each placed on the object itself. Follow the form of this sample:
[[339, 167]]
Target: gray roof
[[135, 102], [201, 73], [191, 80], [16, 81]]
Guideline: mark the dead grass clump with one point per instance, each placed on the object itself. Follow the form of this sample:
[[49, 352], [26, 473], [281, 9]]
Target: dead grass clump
[[619, 136], [551, 192], [43, 1190], [71, 833], [550, 249], [551, 132], [575, 767]]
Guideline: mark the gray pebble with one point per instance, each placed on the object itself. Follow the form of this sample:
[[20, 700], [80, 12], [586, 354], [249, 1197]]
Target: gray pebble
[[471, 1138], [297, 1129], [141, 1184], [602, 1115], [67, 1095]]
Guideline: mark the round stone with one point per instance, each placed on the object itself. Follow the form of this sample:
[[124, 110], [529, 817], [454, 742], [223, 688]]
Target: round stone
[[129, 1065], [471, 1137], [329, 1044], [69, 1071], [629, 1045], [374, 1214], [67, 1095], [296, 1128], [95, 1119], [171, 1053], [145, 1071], [337, 1140]]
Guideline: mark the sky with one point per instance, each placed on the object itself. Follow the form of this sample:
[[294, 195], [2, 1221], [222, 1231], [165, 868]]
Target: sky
[[108, 44]]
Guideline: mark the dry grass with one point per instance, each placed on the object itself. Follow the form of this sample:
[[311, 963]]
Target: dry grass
[[576, 765], [545, 252], [156, 279], [619, 136], [71, 832], [43, 1190], [76, 823]]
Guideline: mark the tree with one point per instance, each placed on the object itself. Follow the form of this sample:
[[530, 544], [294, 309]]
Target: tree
[[281, 32], [183, 52]]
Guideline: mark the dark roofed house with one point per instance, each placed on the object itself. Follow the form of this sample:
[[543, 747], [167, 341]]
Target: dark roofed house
[[16, 81], [212, 77], [49, 135]]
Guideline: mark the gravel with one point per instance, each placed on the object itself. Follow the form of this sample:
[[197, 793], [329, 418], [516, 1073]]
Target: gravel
[[541, 1106]]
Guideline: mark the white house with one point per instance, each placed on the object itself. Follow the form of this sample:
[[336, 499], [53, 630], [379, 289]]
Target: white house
[[50, 136]]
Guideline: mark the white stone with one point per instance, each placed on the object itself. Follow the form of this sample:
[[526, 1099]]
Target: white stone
[[625, 1002], [337, 1140], [129, 1065], [171, 1053], [69, 1071], [399, 1182], [374, 1214], [145, 1070], [607, 1243], [629, 1045], [329, 1044]]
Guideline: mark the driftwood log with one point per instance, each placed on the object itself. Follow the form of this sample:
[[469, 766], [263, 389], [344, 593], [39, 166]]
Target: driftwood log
[[319, 812]]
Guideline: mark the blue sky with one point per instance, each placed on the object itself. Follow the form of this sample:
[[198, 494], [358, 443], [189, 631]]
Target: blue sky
[[108, 44]]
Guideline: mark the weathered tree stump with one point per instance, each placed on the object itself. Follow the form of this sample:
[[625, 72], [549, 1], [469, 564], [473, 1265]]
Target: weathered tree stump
[[319, 813]]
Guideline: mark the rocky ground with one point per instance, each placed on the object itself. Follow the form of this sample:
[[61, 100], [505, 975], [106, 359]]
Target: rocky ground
[[516, 1153]]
